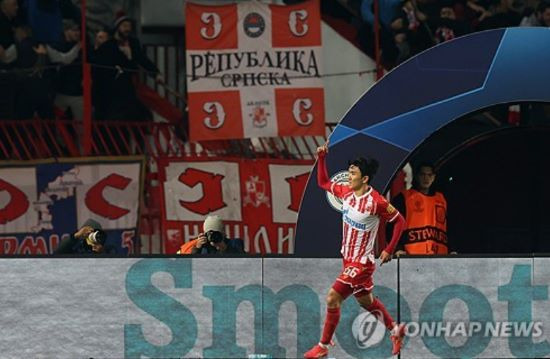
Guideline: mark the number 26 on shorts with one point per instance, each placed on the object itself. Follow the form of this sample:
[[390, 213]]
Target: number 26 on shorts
[[351, 271]]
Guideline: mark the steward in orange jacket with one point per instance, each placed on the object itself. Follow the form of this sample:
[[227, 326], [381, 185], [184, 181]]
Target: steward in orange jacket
[[425, 215]]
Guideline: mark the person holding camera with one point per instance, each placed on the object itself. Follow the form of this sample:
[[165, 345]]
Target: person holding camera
[[213, 240], [89, 239]]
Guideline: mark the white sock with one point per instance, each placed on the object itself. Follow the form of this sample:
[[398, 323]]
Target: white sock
[[324, 346]]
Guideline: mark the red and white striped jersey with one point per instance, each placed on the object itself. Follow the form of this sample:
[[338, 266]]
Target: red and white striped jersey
[[361, 219]]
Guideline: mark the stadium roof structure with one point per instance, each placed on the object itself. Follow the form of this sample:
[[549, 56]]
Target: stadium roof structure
[[429, 91]]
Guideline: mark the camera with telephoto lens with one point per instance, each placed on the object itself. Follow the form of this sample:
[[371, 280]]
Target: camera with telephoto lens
[[97, 237], [214, 236]]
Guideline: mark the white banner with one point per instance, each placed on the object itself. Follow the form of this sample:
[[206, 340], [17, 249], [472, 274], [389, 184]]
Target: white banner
[[193, 190], [254, 70], [285, 179], [258, 200], [42, 203]]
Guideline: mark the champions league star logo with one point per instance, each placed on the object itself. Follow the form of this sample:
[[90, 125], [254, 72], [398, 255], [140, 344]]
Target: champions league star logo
[[254, 25], [339, 178]]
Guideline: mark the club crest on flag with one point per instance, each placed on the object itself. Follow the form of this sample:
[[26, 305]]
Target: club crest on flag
[[258, 112], [255, 192], [254, 25], [259, 117]]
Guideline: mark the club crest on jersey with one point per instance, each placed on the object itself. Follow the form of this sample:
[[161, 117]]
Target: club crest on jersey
[[339, 178]]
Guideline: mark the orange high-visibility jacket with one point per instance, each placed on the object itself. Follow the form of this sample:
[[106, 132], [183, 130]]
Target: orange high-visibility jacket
[[426, 219], [186, 248]]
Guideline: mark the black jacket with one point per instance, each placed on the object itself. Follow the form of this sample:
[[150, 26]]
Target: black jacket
[[69, 76], [111, 87], [73, 245], [234, 246]]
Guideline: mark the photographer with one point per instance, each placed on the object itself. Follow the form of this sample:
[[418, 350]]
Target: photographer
[[89, 239], [213, 240]]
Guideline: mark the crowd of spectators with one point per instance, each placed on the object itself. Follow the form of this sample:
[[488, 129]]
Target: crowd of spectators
[[41, 63], [41, 55], [408, 27]]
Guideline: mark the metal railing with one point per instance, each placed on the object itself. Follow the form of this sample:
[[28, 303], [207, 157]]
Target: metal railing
[[37, 138]]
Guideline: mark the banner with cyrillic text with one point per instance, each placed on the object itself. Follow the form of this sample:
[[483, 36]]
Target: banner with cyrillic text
[[253, 70], [258, 200], [43, 203]]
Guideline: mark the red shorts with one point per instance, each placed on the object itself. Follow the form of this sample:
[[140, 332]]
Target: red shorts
[[356, 279]]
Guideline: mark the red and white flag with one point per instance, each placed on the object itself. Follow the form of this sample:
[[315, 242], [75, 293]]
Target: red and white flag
[[258, 200], [253, 70]]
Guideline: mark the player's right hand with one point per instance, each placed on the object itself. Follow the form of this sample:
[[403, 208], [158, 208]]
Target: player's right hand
[[201, 240], [322, 150], [384, 257]]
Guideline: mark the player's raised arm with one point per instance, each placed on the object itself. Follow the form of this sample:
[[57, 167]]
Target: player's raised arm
[[322, 174], [323, 179]]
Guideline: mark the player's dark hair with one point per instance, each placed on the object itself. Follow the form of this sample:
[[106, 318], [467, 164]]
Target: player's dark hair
[[367, 167]]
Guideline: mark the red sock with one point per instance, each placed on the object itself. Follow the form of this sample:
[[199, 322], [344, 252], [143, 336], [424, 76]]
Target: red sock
[[386, 317], [331, 321]]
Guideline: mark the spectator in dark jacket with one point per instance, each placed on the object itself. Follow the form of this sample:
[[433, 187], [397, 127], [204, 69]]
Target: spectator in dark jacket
[[89, 239], [68, 82], [412, 33], [446, 26], [540, 17], [101, 37], [33, 92], [117, 61]]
